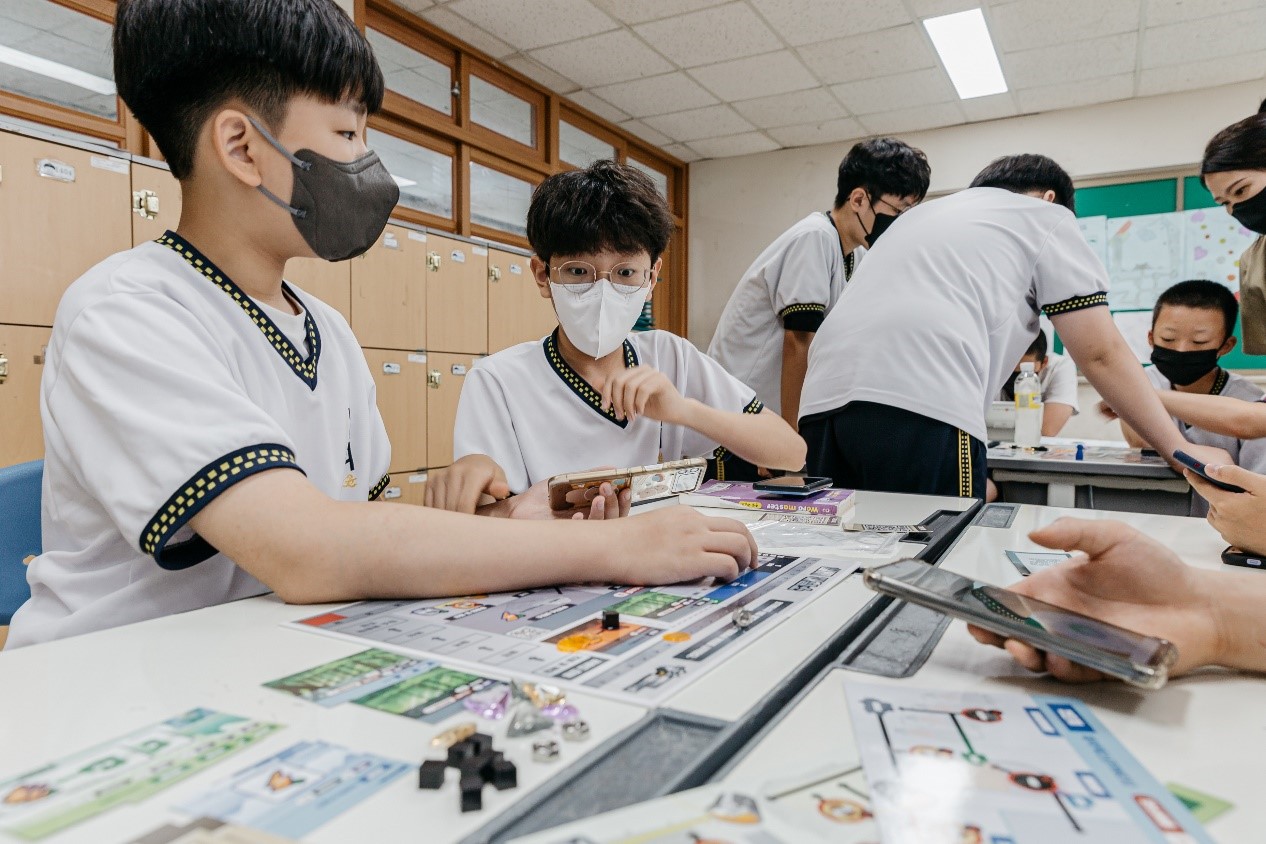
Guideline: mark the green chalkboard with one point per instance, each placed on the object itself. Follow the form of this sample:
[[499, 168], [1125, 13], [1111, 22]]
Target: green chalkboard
[[1195, 194]]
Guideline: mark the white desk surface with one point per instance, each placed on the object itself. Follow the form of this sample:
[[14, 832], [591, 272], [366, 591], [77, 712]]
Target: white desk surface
[[1204, 731], [68, 695]]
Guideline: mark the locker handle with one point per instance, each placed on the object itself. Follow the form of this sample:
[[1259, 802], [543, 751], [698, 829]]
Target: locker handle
[[494, 274], [145, 204], [391, 492], [4, 367], [433, 379], [433, 261]]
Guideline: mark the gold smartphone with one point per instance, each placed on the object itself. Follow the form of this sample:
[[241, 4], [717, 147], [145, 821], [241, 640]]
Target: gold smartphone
[[647, 483]]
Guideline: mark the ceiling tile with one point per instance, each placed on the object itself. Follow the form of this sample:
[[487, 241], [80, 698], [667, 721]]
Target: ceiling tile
[[903, 90], [459, 27], [913, 119], [808, 21], [807, 134], [549, 21], [414, 6], [1181, 43], [1160, 12], [1071, 94], [656, 94], [745, 144], [683, 152], [711, 35], [816, 104], [935, 8], [646, 133], [598, 106], [1090, 59], [641, 11], [616, 56], [989, 108], [710, 122], [883, 53], [1205, 74], [758, 76], [542, 74], [1030, 24]]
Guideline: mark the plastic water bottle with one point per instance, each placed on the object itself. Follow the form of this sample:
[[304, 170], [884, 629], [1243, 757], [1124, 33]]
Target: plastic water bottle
[[1028, 408]]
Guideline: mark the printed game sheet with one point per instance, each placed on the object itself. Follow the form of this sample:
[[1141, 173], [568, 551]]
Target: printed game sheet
[[1005, 768], [666, 638], [128, 769]]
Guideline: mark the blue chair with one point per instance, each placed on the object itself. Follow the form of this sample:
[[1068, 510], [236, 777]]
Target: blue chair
[[19, 531]]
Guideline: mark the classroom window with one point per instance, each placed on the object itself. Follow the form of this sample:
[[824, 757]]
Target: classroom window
[[57, 55], [579, 148], [497, 109], [413, 74], [425, 176], [660, 179], [498, 200]]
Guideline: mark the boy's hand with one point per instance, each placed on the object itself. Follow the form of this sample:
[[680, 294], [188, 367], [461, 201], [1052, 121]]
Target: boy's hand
[[461, 486], [592, 504], [1124, 578], [644, 391], [1106, 411], [678, 544], [1239, 516]]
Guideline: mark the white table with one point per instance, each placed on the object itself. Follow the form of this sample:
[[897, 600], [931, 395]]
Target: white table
[[1123, 479], [68, 695], [1206, 731]]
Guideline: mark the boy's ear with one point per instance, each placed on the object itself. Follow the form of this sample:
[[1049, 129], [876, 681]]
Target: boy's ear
[[232, 138], [1228, 345], [858, 199], [1150, 341], [659, 263], [1048, 195], [540, 272]]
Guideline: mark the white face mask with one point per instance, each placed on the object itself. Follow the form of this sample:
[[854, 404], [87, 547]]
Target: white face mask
[[596, 322]]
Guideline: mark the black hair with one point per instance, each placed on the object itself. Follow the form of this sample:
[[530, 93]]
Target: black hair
[[1025, 173], [1240, 146], [884, 167], [605, 206], [1202, 294], [177, 61], [1039, 346]]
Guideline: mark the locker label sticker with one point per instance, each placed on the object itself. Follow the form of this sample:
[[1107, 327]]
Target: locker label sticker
[[516, 269], [419, 478], [51, 168], [391, 369], [417, 358], [458, 256], [459, 369], [105, 162], [389, 241], [391, 492], [418, 236], [479, 250]]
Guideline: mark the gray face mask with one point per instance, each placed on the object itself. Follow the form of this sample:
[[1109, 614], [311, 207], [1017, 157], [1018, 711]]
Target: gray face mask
[[340, 207]]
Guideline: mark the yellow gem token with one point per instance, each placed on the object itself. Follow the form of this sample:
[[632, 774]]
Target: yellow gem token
[[677, 636], [571, 644], [453, 735]]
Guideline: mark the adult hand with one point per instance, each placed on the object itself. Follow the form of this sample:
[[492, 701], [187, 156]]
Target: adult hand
[[1123, 578], [677, 544], [644, 391], [462, 485], [1239, 516]]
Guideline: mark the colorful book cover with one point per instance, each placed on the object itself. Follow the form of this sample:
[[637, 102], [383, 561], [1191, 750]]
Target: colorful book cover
[[742, 496]]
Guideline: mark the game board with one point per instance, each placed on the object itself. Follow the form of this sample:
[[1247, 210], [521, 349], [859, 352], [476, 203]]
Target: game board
[[667, 636], [1005, 768], [1090, 454], [128, 769]]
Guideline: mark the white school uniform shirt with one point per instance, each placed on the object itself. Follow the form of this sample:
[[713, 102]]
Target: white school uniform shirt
[[1058, 382], [945, 304], [164, 385], [1250, 454], [527, 409], [793, 284]]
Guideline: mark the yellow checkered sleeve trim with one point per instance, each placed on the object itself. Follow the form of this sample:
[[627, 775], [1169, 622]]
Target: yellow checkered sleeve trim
[[1076, 303], [754, 406], [801, 308], [965, 474], [379, 487]]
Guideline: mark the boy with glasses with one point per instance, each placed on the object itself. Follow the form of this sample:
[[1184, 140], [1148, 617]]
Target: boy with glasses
[[592, 393]]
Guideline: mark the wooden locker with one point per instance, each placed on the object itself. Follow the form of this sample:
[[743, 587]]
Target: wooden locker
[[517, 313], [456, 295], [446, 374], [331, 282], [22, 350], [400, 378], [389, 291], [61, 211], [155, 202], [406, 488]]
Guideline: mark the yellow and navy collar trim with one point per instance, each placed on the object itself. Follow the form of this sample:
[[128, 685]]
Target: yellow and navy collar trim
[[304, 367], [1219, 383], [579, 385]]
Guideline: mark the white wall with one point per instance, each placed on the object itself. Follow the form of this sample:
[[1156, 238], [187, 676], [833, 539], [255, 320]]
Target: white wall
[[347, 6], [738, 205]]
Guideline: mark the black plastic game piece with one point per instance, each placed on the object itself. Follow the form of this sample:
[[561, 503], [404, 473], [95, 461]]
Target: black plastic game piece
[[431, 773], [502, 773], [478, 764], [610, 620], [472, 786], [480, 744]]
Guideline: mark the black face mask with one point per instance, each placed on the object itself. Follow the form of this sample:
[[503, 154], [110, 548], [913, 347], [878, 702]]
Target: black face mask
[[1183, 368], [881, 224], [1251, 213]]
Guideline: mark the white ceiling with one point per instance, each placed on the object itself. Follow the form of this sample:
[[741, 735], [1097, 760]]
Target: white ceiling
[[716, 78]]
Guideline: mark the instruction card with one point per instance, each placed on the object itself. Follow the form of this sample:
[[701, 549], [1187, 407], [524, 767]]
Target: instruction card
[[946, 767]]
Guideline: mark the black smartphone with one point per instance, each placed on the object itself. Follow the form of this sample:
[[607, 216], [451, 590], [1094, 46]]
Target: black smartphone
[[1233, 556], [791, 485], [1199, 468], [1138, 659]]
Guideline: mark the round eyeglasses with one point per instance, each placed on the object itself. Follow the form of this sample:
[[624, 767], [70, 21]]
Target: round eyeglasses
[[580, 277]]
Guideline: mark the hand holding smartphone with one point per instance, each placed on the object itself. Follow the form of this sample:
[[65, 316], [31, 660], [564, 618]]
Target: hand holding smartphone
[[647, 483], [1200, 469]]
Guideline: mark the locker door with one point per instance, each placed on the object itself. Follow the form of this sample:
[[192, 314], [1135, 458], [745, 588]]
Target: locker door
[[406, 488], [22, 350], [330, 282], [155, 202], [61, 211], [517, 312], [389, 291], [400, 378], [456, 295], [447, 373]]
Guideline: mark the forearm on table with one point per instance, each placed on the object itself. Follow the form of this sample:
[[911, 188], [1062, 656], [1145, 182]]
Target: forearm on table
[[795, 363], [1132, 439], [1238, 598], [763, 439], [1245, 420], [1055, 416]]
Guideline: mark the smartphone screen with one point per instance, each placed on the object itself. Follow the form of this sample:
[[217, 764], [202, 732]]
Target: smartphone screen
[[1134, 657]]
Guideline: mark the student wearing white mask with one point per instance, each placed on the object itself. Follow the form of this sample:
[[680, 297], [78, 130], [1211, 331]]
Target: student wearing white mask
[[593, 393]]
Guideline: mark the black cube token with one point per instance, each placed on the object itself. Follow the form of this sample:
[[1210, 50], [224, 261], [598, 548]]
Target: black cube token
[[480, 743], [504, 775], [431, 774], [460, 752], [472, 786], [610, 620]]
